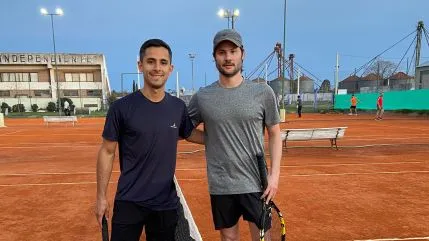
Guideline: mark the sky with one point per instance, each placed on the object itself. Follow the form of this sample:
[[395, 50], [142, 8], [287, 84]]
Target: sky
[[316, 31]]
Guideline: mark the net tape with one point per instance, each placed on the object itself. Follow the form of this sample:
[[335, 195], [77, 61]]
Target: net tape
[[186, 229]]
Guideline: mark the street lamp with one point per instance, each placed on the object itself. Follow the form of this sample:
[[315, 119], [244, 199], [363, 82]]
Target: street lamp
[[58, 12], [282, 108], [226, 13], [192, 57]]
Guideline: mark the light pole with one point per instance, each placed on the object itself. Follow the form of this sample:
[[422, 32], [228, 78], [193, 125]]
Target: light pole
[[58, 12], [192, 57], [226, 13], [282, 108]]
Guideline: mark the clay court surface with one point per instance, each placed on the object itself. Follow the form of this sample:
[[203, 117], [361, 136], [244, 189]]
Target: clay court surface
[[375, 187]]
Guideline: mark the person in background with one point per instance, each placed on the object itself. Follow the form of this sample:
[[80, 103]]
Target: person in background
[[353, 105], [66, 108], [299, 106], [380, 109]]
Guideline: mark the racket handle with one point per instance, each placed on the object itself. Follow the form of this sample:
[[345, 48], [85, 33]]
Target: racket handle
[[104, 229], [262, 166]]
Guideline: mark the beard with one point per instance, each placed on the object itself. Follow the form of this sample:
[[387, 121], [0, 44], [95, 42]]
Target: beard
[[229, 73]]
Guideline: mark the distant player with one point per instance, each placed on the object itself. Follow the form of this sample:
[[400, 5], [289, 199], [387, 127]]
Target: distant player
[[66, 108], [380, 109], [353, 102], [299, 106]]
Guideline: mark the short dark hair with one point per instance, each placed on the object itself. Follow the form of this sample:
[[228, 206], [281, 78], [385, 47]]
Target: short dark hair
[[154, 43]]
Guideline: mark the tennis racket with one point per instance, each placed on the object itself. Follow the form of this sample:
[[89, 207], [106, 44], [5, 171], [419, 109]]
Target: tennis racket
[[270, 210], [104, 229]]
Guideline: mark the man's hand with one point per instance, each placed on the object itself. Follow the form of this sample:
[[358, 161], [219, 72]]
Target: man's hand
[[271, 190], [101, 208]]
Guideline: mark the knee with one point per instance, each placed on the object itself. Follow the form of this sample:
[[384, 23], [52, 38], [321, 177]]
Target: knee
[[229, 236]]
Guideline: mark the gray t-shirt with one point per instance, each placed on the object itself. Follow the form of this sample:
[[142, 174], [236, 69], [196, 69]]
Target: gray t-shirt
[[234, 121]]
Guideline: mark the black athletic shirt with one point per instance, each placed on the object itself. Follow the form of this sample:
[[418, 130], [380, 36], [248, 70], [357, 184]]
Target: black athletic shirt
[[147, 133]]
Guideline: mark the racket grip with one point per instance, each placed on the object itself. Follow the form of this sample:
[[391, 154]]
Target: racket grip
[[104, 229], [262, 166]]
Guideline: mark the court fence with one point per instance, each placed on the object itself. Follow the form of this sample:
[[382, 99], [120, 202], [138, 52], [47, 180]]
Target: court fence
[[394, 100]]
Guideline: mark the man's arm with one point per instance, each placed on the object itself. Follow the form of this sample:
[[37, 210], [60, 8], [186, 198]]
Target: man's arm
[[197, 136], [275, 146], [106, 154]]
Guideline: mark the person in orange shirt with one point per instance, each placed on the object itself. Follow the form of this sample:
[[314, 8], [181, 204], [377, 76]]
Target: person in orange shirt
[[353, 105]]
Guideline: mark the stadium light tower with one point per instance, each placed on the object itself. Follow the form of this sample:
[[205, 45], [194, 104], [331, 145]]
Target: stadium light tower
[[58, 12], [192, 57], [229, 14]]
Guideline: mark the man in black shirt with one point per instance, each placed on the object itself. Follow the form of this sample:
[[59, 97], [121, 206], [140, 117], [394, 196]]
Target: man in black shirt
[[146, 126]]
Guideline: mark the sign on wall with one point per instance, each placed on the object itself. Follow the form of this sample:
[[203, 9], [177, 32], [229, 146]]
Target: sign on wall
[[30, 58]]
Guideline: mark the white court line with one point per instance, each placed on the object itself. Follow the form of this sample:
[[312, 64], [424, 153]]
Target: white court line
[[8, 133], [48, 184], [353, 164], [81, 183], [354, 173], [63, 134], [190, 152], [396, 126], [45, 146], [360, 146], [73, 146], [203, 168], [54, 143], [394, 239], [80, 173], [387, 138]]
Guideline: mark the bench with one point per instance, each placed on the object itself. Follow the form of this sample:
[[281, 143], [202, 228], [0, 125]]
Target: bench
[[331, 133], [56, 119]]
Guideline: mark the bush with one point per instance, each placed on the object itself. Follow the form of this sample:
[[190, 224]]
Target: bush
[[18, 108], [52, 107], [34, 107], [82, 111], [5, 106]]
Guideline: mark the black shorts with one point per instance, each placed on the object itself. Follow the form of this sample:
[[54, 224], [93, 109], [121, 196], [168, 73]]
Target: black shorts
[[227, 210], [353, 107], [129, 218]]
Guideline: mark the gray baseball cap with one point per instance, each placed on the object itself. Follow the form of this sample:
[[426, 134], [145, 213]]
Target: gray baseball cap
[[227, 35]]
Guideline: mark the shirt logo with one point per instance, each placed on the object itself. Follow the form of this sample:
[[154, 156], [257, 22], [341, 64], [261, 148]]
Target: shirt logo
[[173, 126]]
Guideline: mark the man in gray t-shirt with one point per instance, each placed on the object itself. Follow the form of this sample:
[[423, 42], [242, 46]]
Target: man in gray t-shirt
[[235, 114]]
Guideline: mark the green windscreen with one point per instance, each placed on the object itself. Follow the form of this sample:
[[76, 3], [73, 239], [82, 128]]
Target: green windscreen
[[394, 100]]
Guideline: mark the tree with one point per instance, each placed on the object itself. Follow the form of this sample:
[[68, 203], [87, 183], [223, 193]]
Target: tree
[[112, 97], [134, 86], [51, 107], [34, 107], [325, 87], [382, 68]]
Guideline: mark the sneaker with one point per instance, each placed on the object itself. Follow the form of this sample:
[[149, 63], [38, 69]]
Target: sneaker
[[356, 114], [350, 114]]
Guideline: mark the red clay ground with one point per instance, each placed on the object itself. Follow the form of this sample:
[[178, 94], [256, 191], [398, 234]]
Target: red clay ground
[[374, 187]]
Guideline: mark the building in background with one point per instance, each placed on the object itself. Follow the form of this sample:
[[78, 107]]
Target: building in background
[[30, 78], [399, 81], [422, 76]]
